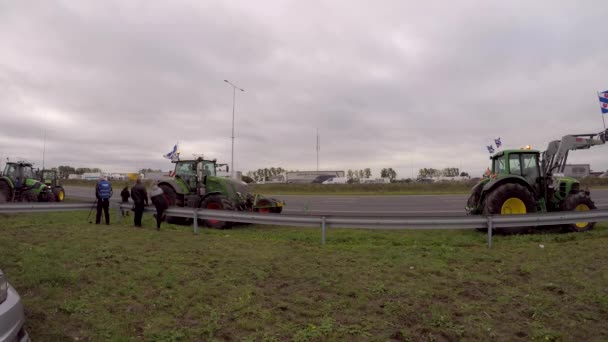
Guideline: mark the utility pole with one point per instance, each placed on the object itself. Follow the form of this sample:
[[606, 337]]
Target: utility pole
[[234, 88], [318, 148], [43, 149]]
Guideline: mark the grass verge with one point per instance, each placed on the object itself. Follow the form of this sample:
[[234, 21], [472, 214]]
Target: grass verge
[[117, 283]]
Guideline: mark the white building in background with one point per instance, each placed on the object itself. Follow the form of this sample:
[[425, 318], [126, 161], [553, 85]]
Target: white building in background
[[577, 170], [74, 176], [91, 176]]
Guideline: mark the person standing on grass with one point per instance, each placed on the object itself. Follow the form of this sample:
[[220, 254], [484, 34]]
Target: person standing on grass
[[103, 192], [140, 200], [125, 199], [159, 199]]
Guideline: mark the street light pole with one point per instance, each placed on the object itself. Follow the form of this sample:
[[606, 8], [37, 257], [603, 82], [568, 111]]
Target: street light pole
[[234, 88]]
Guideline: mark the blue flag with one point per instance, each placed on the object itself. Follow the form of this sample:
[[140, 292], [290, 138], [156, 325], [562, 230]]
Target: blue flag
[[490, 148], [174, 154], [603, 101], [497, 142]]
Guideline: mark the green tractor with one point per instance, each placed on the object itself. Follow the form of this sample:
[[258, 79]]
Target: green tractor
[[195, 184], [526, 181], [18, 184], [50, 178]]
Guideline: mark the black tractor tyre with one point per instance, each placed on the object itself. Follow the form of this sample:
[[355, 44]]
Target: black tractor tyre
[[495, 200], [172, 197], [5, 192], [571, 202], [276, 210], [29, 196], [59, 193], [217, 202], [50, 197]]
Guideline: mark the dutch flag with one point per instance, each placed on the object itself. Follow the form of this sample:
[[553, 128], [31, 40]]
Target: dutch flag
[[603, 101]]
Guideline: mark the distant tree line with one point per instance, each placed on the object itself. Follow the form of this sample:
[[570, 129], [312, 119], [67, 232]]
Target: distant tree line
[[447, 172]]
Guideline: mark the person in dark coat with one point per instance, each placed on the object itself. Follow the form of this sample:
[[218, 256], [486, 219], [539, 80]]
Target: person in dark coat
[[125, 199], [103, 192], [140, 200], [160, 201]]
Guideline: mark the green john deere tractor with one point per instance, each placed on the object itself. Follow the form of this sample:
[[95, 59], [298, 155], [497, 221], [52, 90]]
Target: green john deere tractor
[[195, 184], [526, 181], [18, 184], [49, 177]]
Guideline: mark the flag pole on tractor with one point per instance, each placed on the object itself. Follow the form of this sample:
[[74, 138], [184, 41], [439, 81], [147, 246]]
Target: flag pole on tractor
[[603, 97]]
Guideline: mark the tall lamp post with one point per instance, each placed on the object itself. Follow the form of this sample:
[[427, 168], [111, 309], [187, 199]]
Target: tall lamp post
[[234, 88]]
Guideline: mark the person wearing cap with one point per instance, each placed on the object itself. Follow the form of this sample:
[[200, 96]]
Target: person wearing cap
[[103, 193], [140, 200], [160, 201]]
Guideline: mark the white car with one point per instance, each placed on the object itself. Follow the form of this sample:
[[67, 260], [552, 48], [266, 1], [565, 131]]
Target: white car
[[12, 317]]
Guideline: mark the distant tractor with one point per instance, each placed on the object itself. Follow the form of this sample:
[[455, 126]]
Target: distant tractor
[[18, 184], [195, 184], [50, 178], [524, 181]]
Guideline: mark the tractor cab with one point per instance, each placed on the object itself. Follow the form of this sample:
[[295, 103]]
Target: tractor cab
[[193, 172], [18, 173], [523, 163], [48, 177]]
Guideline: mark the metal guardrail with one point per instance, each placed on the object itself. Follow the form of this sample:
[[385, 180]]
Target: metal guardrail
[[446, 222]]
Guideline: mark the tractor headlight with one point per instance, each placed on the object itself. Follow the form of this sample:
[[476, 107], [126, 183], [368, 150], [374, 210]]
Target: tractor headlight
[[3, 287]]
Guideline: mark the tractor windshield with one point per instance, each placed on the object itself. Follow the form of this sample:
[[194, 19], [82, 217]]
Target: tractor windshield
[[209, 168], [10, 171], [499, 165], [525, 165], [27, 172], [49, 175]]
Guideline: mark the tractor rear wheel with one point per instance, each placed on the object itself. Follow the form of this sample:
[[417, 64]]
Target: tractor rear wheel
[[170, 193], [171, 196], [267, 209], [29, 196], [217, 202], [510, 199], [59, 193], [5, 192], [578, 202]]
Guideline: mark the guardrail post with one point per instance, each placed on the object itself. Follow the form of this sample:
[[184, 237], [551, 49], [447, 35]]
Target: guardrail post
[[489, 231], [195, 223], [323, 230]]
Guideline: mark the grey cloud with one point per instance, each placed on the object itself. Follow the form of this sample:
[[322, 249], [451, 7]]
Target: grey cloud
[[387, 84]]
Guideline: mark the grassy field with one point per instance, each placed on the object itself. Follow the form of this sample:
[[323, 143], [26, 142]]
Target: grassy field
[[260, 283]]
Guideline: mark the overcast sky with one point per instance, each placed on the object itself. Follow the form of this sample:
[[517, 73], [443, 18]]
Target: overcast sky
[[388, 83]]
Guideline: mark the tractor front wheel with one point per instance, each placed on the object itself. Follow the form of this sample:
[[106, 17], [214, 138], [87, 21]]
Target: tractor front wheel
[[59, 194], [578, 202], [217, 202], [510, 199]]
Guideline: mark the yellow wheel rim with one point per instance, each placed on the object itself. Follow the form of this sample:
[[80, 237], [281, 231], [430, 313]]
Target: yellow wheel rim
[[513, 206], [581, 207], [61, 196]]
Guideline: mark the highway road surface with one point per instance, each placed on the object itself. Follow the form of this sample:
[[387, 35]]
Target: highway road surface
[[396, 205]]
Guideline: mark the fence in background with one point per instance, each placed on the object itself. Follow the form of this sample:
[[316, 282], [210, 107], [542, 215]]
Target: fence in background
[[329, 221]]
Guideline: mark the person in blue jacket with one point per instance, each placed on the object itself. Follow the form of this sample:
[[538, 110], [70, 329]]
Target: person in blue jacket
[[103, 193]]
